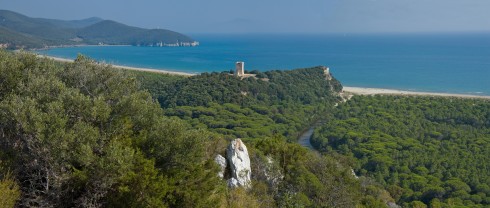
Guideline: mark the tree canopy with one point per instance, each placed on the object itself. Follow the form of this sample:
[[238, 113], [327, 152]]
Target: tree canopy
[[84, 135], [282, 102], [424, 149]]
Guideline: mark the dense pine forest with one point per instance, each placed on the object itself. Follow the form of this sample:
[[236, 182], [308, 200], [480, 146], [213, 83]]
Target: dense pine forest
[[423, 150], [85, 134], [280, 102]]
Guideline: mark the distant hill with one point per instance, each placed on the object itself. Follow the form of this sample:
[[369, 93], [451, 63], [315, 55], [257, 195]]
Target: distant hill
[[73, 23], [103, 32], [14, 38], [20, 31], [36, 28]]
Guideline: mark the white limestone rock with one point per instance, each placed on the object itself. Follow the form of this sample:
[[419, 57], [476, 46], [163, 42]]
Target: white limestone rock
[[272, 172], [393, 205], [233, 182], [268, 170], [221, 161], [354, 173], [239, 161]]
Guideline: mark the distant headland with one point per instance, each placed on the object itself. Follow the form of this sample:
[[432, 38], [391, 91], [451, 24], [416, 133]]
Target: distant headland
[[18, 31]]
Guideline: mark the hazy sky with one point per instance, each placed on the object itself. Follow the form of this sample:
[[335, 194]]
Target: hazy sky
[[272, 16]]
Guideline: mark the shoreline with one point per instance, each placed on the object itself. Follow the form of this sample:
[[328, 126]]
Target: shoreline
[[346, 89], [380, 91], [70, 46], [162, 71]]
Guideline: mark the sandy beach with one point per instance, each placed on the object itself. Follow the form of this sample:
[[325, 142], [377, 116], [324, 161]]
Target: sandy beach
[[127, 67], [346, 89], [379, 91]]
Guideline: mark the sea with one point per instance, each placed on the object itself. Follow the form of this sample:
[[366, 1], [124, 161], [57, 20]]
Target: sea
[[447, 63]]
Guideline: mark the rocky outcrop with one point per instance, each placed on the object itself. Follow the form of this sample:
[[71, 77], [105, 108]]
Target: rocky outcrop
[[354, 173], [273, 174], [235, 168], [393, 205], [239, 161], [266, 169], [221, 161]]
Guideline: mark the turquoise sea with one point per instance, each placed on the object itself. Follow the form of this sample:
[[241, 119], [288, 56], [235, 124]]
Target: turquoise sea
[[453, 63]]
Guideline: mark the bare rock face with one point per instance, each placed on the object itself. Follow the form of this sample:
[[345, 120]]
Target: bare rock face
[[393, 205], [273, 174], [233, 183], [354, 173], [239, 161], [221, 161]]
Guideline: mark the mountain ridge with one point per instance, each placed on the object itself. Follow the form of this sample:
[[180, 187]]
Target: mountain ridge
[[74, 23], [19, 31]]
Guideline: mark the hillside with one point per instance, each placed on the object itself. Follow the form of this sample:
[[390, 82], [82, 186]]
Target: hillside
[[84, 134], [285, 103], [72, 23], [13, 38], [40, 32], [103, 32], [37, 28], [87, 134]]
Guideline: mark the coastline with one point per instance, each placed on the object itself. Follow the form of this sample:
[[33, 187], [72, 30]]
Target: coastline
[[379, 91], [162, 71], [70, 46], [346, 89]]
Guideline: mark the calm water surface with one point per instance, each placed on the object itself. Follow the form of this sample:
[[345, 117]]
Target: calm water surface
[[455, 63]]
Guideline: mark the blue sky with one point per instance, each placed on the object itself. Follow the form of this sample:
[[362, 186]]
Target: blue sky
[[273, 16]]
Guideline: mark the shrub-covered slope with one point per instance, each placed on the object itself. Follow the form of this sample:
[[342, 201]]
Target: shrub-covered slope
[[282, 102], [84, 135]]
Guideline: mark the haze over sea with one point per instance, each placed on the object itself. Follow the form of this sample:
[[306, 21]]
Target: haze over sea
[[451, 63]]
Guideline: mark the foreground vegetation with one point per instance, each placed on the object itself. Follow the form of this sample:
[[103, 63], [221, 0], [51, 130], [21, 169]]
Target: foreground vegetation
[[423, 150], [86, 135]]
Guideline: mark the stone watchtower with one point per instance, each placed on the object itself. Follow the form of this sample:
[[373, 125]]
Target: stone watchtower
[[240, 68]]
